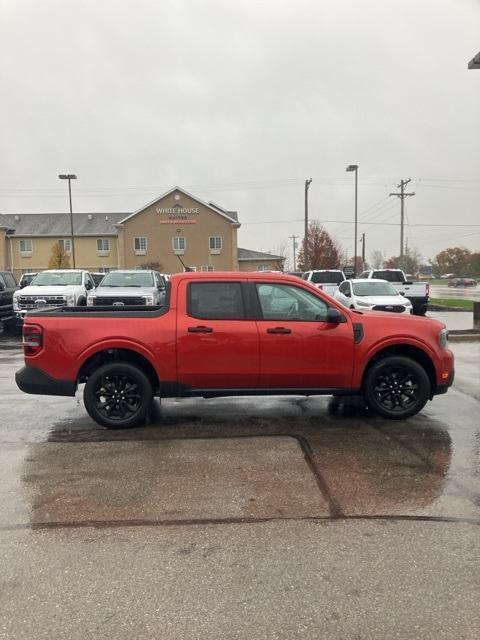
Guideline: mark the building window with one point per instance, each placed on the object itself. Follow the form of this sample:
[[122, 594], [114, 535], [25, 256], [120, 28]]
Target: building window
[[215, 243], [179, 244], [207, 267], [66, 244], [140, 246], [263, 267], [103, 246], [25, 246], [104, 269]]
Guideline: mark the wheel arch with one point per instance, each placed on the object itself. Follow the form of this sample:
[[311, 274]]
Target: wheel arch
[[409, 351], [108, 355]]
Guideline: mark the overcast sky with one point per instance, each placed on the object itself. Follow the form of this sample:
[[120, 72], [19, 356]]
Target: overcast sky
[[239, 102]]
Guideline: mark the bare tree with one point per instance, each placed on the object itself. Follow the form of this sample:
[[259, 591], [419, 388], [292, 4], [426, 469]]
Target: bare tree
[[154, 266], [323, 252], [283, 264], [59, 258], [376, 258]]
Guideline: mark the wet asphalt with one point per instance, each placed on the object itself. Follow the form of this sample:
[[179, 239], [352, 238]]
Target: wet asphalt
[[240, 518]]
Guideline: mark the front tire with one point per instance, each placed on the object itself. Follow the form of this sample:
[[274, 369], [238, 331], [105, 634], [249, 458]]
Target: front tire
[[396, 387], [118, 395]]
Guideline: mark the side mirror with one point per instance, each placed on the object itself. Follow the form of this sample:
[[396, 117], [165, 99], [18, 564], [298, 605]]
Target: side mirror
[[347, 294], [334, 316], [402, 293], [88, 285]]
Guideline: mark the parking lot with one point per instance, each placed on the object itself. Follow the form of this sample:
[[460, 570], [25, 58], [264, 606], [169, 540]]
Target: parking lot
[[240, 518]]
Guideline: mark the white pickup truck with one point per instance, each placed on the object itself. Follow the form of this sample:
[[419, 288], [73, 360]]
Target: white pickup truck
[[417, 292], [325, 279], [54, 287]]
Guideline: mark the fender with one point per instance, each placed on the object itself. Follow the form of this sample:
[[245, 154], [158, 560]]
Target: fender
[[383, 343], [115, 343]]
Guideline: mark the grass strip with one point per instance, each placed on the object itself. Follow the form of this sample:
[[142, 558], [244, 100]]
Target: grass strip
[[453, 302]]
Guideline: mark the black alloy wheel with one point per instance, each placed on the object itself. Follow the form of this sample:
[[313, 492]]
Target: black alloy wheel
[[118, 396], [397, 387]]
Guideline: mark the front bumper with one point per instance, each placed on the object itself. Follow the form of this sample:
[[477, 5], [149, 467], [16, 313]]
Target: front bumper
[[33, 380], [443, 388]]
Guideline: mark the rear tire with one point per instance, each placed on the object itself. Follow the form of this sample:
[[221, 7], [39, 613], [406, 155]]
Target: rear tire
[[118, 395], [396, 387]]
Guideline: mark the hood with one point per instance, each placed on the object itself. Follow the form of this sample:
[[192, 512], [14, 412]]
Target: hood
[[392, 300], [48, 290], [123, 292]]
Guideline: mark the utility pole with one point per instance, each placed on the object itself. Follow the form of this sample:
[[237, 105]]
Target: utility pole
[[294, 238], [402, 195], [305, 241]]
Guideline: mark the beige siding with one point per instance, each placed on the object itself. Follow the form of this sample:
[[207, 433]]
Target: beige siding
[[86, 254], [151, 224], [256, 265]]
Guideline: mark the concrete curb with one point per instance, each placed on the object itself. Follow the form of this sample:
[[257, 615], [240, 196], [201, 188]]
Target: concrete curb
[[464, 337]]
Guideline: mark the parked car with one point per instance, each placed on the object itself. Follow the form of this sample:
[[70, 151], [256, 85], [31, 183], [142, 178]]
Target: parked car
[[217, 335], [8, 286], [26, 279], [462, 282], [129, 287], [325, 279], [53, 288], [376, 295], [417, 292]]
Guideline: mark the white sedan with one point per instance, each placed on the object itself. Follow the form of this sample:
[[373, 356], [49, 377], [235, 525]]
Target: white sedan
[[378, 295]]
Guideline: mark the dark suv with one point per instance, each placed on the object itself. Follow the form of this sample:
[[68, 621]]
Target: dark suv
[[8, 285]]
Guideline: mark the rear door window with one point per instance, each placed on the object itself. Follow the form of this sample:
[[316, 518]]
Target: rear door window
[[216, 300]]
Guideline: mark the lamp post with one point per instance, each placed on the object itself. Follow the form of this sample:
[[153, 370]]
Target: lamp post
[[354, 167], [70, 177], [305, 252]]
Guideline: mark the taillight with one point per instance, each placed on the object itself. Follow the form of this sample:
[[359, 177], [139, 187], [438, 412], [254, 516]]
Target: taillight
[[428, 288], [32, 339]]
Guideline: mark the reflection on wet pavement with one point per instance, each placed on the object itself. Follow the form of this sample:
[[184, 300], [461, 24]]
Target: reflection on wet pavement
[[237, 459]]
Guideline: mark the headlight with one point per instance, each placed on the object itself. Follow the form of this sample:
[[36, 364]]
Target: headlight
[[364, 304], [16, 306], [70, 299], [443, 339], [148, 300], [91, 301]]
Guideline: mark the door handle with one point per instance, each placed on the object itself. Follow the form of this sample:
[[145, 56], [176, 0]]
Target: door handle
[[200, 329], [279, 330]]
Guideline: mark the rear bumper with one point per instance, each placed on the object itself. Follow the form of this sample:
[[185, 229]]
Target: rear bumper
[[32, 380]]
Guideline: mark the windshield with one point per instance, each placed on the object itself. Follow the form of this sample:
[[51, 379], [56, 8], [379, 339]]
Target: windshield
[[128, 279], [327, 277], [374, 289], [57, 278]]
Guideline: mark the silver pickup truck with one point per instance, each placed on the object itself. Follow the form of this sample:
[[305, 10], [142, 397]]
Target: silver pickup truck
[[129, 287], [417, 292]]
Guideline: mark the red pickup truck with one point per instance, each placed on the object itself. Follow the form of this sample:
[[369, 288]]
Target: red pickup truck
[[229, 334]]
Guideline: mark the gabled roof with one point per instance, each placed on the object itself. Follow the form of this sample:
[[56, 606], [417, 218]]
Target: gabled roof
[[230, 215], [249, 254], [58, 224]]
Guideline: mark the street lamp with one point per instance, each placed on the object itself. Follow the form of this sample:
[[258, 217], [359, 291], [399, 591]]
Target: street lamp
[[70, 177], [305, 252], [354, 167]]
